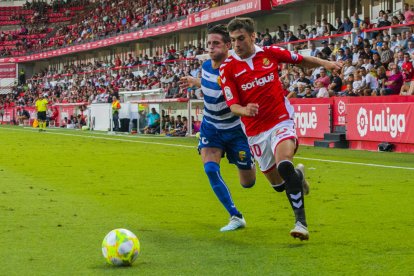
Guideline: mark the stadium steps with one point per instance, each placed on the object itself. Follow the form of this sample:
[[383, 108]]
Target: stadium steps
[[331, 144], [340, 129], [333, 140]]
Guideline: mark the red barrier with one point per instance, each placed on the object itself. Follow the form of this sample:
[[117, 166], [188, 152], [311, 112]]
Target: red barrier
[[10, 114], [276, 3], [340, 104], [312, 120], [390, 122], [7, 70]]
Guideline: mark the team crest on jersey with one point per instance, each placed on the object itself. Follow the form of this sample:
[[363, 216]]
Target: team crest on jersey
[[267, 64], [242, 155]]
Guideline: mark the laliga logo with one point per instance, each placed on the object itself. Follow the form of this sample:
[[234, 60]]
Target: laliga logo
[[362, 122], [260, 82], [380, 122], [306, 120]]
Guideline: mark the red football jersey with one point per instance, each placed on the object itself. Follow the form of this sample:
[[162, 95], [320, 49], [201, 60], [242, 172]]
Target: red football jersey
[[256, 80]]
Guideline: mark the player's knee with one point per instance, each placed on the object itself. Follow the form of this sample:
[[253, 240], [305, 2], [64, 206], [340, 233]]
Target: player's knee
[[288, 173], [248, 184], [211, 168]]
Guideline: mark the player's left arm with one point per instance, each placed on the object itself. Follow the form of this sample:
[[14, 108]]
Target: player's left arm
[[189, 81], [284, 56], [309, 61]]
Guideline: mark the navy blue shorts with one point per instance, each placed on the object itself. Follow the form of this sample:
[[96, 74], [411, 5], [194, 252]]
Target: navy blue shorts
[[233, 143], [41, 115]]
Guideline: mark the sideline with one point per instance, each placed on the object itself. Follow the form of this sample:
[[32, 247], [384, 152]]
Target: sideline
[[193, 147]]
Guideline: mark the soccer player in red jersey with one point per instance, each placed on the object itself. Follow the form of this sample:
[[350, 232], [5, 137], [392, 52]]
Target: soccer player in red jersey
[[252, 89]]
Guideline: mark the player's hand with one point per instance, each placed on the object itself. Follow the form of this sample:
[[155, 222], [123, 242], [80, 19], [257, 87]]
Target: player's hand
[[252, 109], [334, 65], [188, 81]]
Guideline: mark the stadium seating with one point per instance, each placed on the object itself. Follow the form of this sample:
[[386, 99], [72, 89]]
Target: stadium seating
[[87, 81]]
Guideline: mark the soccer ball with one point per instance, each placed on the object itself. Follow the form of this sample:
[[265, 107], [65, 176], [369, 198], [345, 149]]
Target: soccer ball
[[120, 247]]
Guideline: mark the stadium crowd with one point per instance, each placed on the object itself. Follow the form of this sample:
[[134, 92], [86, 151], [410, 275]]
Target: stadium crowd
[[99, 20], [375, 64]]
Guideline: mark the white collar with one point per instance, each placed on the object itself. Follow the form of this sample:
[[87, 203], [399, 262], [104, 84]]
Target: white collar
[[257, 49]]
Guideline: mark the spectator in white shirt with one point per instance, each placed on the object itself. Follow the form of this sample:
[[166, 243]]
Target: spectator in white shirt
[[320, 30], [371, 81], [322, 91], [347, 69], [367, 63]]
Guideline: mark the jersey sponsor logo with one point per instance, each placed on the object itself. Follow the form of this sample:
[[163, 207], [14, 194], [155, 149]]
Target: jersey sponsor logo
[[258, 82], [238, 74], [227, 92]]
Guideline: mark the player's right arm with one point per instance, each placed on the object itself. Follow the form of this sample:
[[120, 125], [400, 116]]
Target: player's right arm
[[231, 94], [250, 110]]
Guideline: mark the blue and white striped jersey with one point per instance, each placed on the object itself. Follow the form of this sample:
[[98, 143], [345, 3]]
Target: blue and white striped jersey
[[217, 115]]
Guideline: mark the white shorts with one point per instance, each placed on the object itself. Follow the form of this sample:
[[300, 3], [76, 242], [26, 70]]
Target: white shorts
[[263, 145]]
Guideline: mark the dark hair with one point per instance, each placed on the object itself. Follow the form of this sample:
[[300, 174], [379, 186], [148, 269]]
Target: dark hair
[[241, 23], [221, 30]]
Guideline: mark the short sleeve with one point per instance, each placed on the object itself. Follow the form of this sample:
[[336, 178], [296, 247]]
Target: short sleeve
[[228, 85], [283, 55]]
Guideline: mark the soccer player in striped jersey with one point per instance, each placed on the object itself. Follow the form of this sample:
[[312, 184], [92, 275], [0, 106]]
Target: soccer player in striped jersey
[[221, 133]]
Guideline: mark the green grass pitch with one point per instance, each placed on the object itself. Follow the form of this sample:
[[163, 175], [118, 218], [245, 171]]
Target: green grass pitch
[[62, 191]]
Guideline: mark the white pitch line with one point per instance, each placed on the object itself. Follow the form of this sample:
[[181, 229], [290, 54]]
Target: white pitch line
[[355, 163], [103, 138], [193, 147]]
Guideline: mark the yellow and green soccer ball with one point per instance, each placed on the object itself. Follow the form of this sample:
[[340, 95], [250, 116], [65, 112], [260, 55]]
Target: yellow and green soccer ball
[[120, 247]]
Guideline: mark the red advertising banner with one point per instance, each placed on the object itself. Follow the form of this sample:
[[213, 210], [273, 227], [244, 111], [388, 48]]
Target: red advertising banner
[[339, 110], [312, 120], [193, 20], [276, 3], [381, 122], [10, 114], [8, 71]]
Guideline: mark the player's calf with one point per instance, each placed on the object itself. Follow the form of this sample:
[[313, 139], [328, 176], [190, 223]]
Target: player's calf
[[220, 188], [294, 190]]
